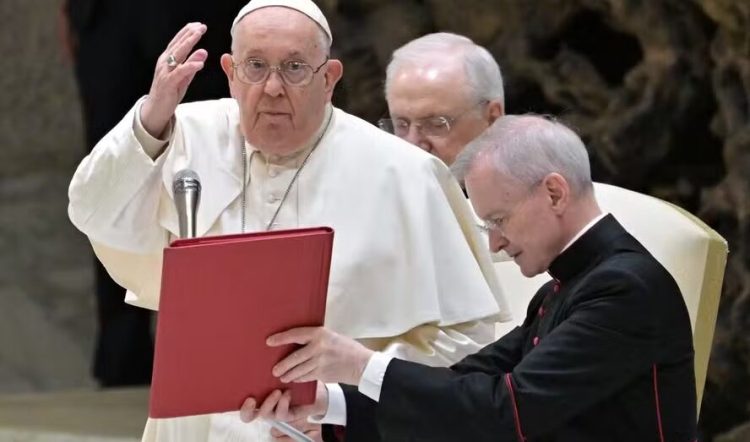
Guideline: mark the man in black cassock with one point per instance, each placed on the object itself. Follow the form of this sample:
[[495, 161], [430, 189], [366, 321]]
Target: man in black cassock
[[605, 352]]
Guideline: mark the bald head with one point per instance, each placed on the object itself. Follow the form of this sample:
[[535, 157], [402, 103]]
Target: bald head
[[442, 91], [451, 53]]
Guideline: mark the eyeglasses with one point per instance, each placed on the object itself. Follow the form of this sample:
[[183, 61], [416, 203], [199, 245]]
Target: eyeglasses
[[436, 126], [495, 224], [499, 223], [292, 72], [430, 127]]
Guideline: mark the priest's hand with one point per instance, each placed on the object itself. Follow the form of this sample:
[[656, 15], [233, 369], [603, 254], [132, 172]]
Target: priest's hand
[[326, 356], [313, 431], [175, 70], [277, 407]]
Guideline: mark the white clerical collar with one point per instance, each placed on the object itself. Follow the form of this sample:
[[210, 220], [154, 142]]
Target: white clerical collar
[[584, 230]]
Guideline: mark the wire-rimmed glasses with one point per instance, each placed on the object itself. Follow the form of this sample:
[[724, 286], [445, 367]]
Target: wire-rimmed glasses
[[292, 72], [433, 126]]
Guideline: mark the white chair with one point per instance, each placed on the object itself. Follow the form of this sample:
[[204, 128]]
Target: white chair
[[691, 251]]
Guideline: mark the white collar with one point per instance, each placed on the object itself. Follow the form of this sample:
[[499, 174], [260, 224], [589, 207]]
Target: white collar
[[584, 230]]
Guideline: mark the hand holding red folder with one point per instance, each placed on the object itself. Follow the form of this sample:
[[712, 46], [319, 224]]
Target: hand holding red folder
[[221, 298], [326, 356]]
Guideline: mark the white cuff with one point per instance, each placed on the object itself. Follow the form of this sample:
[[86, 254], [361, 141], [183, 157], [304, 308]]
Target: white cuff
[[336, 412], [152, 146], [372, 378]]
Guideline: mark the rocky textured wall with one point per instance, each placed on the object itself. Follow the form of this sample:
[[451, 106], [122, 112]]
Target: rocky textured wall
[[46, 304], [660, 90]]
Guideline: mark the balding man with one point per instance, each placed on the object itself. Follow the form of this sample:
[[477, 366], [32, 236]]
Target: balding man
[[442, 91]]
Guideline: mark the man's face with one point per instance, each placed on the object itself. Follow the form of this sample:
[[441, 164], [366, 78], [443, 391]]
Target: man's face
[[419, 93], [276, 117], [521, 220]]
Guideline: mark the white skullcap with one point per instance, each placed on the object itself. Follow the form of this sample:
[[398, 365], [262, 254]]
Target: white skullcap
[[306, 7]]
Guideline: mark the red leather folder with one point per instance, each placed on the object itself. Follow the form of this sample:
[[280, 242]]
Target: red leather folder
[[221, 297]]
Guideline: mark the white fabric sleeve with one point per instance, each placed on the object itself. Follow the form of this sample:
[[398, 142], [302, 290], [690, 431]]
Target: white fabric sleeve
[[371, 381], [115, 193], [437, 346], [152, 146], [114, 198], [336, 412], [427, 344]]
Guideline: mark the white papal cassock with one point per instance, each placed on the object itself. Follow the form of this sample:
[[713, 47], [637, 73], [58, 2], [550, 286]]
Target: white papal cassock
[[409, 273]]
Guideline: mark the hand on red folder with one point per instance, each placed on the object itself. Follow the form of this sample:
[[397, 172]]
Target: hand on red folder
[[312, 431], [277, 407], [326, 356], [220, 298]]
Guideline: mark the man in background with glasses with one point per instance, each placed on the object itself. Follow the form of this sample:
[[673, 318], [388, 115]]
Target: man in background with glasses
[[408, 275], [442, 91]]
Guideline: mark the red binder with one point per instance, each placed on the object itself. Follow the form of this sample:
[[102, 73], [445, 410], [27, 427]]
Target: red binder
[[221, 297]]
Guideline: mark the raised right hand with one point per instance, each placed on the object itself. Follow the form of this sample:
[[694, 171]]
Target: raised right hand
[[170, 83]]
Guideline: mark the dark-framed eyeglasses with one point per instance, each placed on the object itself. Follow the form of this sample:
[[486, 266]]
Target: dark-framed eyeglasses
[[434, 126], [292, 72]]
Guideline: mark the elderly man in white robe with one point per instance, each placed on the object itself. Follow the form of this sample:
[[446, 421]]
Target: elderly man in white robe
[[409, 275], [443, 90]]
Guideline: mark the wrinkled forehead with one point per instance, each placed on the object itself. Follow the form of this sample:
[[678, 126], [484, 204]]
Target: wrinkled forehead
[[277, 31]]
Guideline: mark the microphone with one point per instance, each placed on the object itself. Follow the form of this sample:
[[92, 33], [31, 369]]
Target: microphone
[[187, 195]]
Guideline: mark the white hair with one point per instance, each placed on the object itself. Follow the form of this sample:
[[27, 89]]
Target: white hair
[[528, 148], [482, 71]]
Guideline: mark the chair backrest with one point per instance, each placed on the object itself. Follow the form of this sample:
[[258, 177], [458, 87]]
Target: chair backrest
[[691, 251]]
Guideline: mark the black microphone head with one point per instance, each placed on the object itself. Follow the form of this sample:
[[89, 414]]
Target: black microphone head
[[185, 180]]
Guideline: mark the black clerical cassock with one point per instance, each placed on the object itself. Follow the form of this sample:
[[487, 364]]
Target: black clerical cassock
[[605, 354]]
